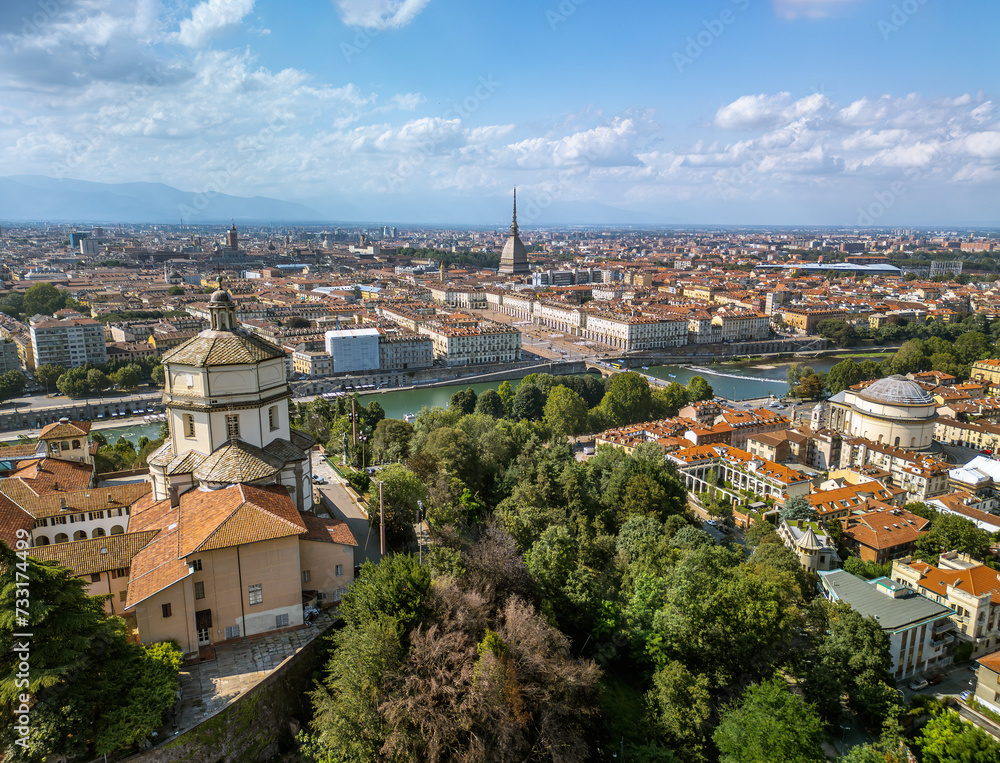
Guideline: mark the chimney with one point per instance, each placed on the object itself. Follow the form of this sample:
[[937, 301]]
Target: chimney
[[175, 498], [64, 420]]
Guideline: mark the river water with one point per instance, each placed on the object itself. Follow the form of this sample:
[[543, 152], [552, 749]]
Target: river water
[[756, 381]]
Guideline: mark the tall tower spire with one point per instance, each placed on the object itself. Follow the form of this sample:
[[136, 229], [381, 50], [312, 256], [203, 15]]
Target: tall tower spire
[[513, 225]]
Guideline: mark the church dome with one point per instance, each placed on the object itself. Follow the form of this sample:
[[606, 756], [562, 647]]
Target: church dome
[[220, 296], [896, 390]]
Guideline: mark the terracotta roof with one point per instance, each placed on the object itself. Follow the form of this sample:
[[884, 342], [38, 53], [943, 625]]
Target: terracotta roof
[[63, 429], [48, 475], [87, 557], [155, 567], [223, 348], [235, 516], [326, 530], [89, 499], [884, 528], [851, 497], [12, 519], [976, 580], [18, 452], [991, 661], [239, 461]]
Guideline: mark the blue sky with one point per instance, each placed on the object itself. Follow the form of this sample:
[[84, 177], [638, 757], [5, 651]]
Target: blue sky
[[832, 112]]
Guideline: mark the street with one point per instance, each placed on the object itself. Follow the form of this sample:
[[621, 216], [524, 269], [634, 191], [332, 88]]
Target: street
[[340, 504]]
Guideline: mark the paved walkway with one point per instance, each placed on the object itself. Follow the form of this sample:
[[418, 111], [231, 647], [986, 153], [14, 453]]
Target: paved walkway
[[207, 687]]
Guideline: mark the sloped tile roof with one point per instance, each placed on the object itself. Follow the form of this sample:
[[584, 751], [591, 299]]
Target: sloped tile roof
[[162, 455], [223, 348], [235, 516], [326, 530], [61, 430], [48, 475], [976, 580], [87, 557], [884, 528], [238, 461], [155, 567], [89, 499], [12, 519]]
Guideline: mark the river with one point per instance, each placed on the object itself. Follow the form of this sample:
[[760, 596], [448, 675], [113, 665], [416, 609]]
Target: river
[[755, 381]]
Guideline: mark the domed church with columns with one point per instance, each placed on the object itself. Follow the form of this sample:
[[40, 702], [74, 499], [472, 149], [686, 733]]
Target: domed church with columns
[[226, 395]]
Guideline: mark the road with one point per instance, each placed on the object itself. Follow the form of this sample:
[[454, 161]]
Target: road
[[340, 503]]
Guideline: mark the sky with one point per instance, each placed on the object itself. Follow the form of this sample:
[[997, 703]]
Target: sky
[[743, 112]]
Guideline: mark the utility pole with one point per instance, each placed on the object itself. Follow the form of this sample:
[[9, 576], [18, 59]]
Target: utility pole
[[381, 518], [354, 421]]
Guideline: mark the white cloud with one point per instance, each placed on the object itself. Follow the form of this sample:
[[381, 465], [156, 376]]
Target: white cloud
[[212, 18], [379, 14], [810, 9]]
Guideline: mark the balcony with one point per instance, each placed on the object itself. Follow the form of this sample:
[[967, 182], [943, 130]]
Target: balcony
[[942, 627]]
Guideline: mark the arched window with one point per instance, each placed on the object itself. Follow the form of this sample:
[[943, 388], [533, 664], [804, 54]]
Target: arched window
[[897, 442], [117, 530], [80, 535], [62, 538], [76, 445], [65, 445], [41, 540], [98, 533]]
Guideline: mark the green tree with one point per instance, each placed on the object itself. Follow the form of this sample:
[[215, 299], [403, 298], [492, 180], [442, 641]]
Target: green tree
[[628, 399], [949, 532], [565, 412], [157, 375], [396, 587], [401, 492], [528, 403], [97, 380], [48, 374], [947, 739], [127, 377], [506, 392], [175, 291], [699, 389], [44, 299], [667, 401], [972, 346], [12, 384], [391, 440], [797, 372], [810, 388], [910, 358], [797, 507], [463, 401], [92, 692], [297, 322], [491, 404], [770, 724], [680, 707]]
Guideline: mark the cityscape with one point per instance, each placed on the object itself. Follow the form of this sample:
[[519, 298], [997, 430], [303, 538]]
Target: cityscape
[[375, 390]]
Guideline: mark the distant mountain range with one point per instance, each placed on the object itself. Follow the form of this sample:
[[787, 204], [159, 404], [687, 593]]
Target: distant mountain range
[[41, 198], [36, 197]]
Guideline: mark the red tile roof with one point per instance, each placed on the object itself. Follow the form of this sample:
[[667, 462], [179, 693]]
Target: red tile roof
[[326, 530]]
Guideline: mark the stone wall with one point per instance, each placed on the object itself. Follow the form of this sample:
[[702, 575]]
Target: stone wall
[[257, 726]]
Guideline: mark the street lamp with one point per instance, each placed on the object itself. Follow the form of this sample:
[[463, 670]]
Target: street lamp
[[420, 532]]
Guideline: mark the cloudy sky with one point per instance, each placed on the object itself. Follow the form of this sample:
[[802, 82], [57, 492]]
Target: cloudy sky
[[834, 112]]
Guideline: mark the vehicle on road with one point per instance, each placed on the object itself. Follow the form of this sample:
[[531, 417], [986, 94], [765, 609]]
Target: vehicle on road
[[965, 696], [935, 679], [918, 684], [711, 522]]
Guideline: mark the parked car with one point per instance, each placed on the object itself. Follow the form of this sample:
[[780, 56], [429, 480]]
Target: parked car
[[918, 684], [935, 679], [965, 696]]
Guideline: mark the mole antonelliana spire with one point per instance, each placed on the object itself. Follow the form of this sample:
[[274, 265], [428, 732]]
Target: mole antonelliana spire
[[514, 260]]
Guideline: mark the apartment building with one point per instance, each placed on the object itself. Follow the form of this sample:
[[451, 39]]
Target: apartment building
[[68, 343], [920, 629], [968, 587], [635, 332], [487, 342], [405, 351]]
